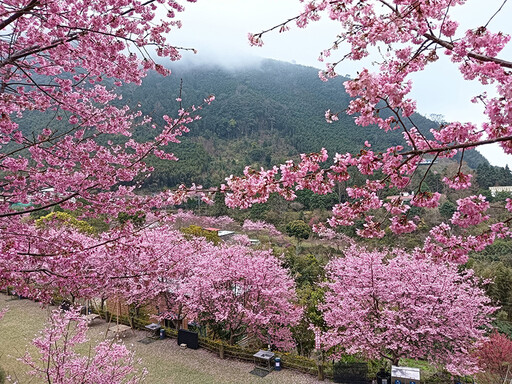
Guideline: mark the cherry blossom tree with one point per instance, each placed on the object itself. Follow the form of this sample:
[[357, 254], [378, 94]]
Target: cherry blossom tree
[[60, 63], [240, 239], [339, 239], [244, 291], [393, 305], [408, 36], [57, 361]]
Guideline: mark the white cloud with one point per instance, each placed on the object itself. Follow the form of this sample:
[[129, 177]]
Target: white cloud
[[218, 29]]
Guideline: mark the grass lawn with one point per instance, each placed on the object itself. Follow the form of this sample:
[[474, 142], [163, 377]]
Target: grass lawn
[[165, 361]]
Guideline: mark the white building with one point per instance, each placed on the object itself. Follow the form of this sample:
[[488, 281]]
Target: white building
[[505, 188]]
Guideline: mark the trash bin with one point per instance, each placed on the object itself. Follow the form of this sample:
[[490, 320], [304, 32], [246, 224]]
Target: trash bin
[[278, 363], [162, 333], [191, 339], [383, 377]]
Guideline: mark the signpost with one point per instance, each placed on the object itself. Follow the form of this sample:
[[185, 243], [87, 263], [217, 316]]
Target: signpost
[[405, 375]]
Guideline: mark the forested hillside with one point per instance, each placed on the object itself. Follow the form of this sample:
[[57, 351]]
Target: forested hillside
[[263, 114]]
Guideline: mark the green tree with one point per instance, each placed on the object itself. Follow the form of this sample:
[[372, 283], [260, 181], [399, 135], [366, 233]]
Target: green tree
[[257, 211], [138, 219], [500, 290], [305, 269], [434, 182], [447, 209], [307, 272], [298, 229], [65, 219], [501, 196], [197, 231]]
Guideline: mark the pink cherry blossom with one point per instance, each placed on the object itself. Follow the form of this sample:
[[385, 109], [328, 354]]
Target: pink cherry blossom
[[108, 363], [246, 291], [260, 226], [393, 305]]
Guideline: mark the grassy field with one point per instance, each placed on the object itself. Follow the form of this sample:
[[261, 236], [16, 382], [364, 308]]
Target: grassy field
[[165, 361]]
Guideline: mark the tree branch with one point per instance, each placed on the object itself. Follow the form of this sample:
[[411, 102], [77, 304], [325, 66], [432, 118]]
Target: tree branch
[[16, 15], [16, 213], [476, 56], [457, 146]]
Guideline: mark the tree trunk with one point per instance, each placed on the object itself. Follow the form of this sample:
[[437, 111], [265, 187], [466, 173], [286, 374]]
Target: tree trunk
[[320, 365], [321, 375]]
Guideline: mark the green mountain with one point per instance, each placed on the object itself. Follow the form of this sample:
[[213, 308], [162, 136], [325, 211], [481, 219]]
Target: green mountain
[[263, 114]]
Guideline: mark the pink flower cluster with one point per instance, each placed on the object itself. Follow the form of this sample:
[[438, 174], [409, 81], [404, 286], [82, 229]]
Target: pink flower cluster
[[459, 181], [260, 226], [442, 245], [400, 224], [470, 211], [426, 199]]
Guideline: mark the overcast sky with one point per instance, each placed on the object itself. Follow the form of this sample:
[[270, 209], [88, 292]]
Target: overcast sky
[[218, 30]]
